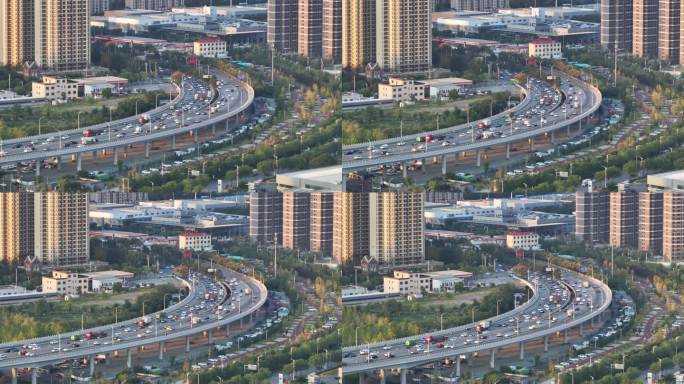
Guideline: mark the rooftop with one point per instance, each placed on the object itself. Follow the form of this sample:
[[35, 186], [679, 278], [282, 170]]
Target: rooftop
[[317, 179]]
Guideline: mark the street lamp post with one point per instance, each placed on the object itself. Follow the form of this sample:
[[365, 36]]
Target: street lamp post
[[39, 120], [78, 120]]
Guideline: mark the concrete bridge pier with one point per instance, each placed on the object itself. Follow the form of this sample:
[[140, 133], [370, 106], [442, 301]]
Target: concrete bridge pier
[[227, 125], [241, 323], [91, 362], [362, 378], [213, 129], [458, 366], [478, 157], [508, 151], [565, 336], [39, 163], [210, 336], [187, 344], [522, 350], [444, 164], [162, 345], [173, 142], [129, 358], [59, 163], [227, 329], [581, 329], [546, 343], [402, 375], [553, 137], [79, 159], [116, 155], [34, 375], [194, 135], [147, 150], [13, 373], [404, 167], [94, 155], [382, 375], [567, 130], [531, 141], [492, 358]]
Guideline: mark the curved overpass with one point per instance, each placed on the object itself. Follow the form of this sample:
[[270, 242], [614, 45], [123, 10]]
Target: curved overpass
[[357, 359], [235, 105], [590, 101], [237, 304]]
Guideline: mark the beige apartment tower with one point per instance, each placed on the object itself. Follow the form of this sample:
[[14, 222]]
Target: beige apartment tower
[[16, 226], [61, 228], [624, 219], [358, 33], [396, 229], [669, 24], [673, 226], [62, 30], [350, 227], [296, 220], [16, 32], [332, 30], [281, 32], [321, 222], [645, 28], [651, 222], [310, 30], [404, 35]]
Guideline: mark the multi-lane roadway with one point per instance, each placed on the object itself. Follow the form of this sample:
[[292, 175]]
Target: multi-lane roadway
[[542, 112], [209, 305], [185, 114], [555, 307]]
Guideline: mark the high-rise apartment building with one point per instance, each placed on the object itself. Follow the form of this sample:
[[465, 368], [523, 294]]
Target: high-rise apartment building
[[155, 5], [296, 210], [62, 34], [358, 33], [396, 228], [310, 30], [669, 23], [645, 28], [321, 226], [479, 5], [624, 219], [404, 35], [350, 227], [281, 32], [673, 226], [616, 25], [651, 222], [17, 36], [61, 228], [332, 30], [266, 217], [16, 226], [592, 216], [98, 7]]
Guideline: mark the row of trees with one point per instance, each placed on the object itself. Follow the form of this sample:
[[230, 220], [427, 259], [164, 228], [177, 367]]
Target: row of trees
[[393, 319], [376, 123]]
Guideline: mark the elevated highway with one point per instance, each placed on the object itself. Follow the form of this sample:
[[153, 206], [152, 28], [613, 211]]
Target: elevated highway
[[582, 300], [532, 117], [188, 117], [233, 299]]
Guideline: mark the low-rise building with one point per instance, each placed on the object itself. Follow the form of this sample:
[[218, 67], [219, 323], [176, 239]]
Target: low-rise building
[[55, 88], [401, 90], [194, 241], [441, 281], [545, 48], [66, 283], [210, 48], [522, 240], [105, 280], [406, 283]]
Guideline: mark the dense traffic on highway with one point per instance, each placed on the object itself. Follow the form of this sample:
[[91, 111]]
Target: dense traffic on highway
[[555, 303]]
